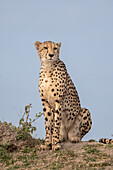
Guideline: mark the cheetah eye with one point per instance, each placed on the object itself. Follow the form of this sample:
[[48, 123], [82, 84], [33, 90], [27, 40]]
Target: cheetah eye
[[55, 48], [46, 48]]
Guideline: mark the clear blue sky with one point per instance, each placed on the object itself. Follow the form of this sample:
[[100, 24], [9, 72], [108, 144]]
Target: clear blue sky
[[85, 29]]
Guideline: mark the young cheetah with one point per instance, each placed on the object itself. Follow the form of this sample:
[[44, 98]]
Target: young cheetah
[[64, 117]]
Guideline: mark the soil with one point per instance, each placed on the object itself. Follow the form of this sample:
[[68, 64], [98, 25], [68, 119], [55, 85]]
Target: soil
[[17, 152]]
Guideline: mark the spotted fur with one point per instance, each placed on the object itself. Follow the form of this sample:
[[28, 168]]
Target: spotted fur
[[106, 141], [64, 117]]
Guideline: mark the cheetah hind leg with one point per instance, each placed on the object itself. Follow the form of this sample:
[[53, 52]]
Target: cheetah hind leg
[[74, 132], [63, 133], [86, 122]]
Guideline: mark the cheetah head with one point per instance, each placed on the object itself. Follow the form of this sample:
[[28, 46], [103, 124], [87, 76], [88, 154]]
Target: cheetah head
[[48, 51]]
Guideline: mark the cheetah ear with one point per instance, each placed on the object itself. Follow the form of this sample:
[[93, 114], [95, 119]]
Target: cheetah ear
[[59, 44], [37, 44]]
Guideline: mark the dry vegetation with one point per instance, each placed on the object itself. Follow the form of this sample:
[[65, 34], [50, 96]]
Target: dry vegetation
[[18, 150]]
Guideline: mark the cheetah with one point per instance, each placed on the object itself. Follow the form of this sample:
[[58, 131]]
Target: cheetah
[[64, 117], [106, 141]]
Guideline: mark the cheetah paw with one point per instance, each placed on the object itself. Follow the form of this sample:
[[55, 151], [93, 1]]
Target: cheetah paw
[[75, 139], [45, 147], [56, 147]]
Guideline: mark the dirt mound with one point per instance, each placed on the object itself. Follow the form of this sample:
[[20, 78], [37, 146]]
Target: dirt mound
[[14, 138]]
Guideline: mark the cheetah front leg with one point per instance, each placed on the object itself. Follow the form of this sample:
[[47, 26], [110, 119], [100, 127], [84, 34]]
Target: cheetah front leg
[[48, 115], [56, 128]]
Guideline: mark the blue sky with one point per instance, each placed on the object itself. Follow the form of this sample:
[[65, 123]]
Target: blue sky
[[85, 29]]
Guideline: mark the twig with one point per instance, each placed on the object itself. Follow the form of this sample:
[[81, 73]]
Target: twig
[[27, 111]]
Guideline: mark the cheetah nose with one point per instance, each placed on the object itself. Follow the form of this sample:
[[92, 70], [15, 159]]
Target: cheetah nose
[[51, 55]]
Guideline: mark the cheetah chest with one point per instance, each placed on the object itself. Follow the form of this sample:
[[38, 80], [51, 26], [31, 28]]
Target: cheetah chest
[[47, 88]]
